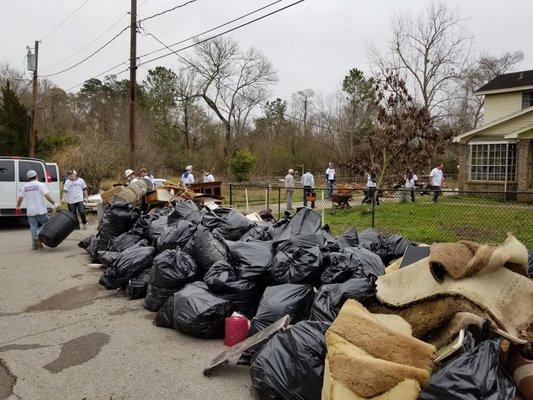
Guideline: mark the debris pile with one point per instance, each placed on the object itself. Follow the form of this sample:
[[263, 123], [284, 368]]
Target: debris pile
[[370, 318]]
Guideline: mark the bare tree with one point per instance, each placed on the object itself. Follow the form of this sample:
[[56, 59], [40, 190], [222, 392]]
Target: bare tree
[[430, 51], [230, 78], [187, 93], [302, 105]]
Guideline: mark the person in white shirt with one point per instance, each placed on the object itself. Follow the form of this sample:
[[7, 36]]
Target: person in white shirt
[[34, 192], [436, 179], [371, 184], [187, 178], [308, 183], [208, 177], [74, 194], [410, 183], [289, 188], [330, 179], [130, 176]]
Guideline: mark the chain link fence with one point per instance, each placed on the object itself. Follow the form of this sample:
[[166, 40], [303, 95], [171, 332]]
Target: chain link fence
[[420, 215]]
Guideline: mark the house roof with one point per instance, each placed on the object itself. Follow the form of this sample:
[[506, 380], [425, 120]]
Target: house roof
[[498, 121], [512, 80]]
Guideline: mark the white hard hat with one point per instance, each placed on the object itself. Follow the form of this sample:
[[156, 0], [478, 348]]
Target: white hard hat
[[188, 167], [31, 174], [128, 172]]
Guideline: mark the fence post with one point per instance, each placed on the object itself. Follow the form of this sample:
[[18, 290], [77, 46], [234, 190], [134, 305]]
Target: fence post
[[247, 203], [323, 207], [230, 194], [279, 202], [268, 197], [374, 209]]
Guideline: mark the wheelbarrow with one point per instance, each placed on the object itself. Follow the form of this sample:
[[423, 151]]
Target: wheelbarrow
[[341, 200]]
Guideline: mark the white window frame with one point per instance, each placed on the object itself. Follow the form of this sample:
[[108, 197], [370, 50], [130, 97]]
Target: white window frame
[[474, 142]]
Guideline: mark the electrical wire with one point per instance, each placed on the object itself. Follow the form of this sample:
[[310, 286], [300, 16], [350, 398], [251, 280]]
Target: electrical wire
[[167, 11], [64, 20]]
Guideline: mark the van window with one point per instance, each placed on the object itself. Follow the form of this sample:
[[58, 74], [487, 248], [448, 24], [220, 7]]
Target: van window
[[25, 166], [51, 171], [7, 171]]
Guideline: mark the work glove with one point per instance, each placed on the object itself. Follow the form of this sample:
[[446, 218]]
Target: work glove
[[18, 211], [57, 207]]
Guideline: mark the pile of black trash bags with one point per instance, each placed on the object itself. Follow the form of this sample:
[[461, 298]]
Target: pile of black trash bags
[[195, 267]]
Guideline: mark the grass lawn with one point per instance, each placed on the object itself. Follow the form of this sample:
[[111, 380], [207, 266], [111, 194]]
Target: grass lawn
[[451, 219]]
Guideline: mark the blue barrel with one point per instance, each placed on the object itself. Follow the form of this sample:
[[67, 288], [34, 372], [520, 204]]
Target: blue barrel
[[58, 228]]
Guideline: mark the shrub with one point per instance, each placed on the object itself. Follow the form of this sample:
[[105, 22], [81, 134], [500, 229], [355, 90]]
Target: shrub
[[242, 164]]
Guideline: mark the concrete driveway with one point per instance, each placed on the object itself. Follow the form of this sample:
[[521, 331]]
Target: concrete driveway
[[65, 337]]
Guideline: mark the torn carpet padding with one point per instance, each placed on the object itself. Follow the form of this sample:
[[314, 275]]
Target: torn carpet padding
[[371, 355], [464, 258], [505, 295]]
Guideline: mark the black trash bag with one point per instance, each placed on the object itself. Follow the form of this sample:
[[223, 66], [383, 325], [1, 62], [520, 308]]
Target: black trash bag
[[348, 239], [329, 242], [260, 232], [109, 258], [224, 280], [175, 236], [370, 239], [195, 311], [173, 269], [90, 245], [130, 265], [156, 228], [206, 249], [476, 374], [156, 297], [86, 242], [277, 301], [252, 257], [290, 366], [298, 261], [185, 210], [330, 298], [304, 222], [228, 223], [137, 287], [118, 219], [353, 262], [393, 247], [127, 240], [530, 264]]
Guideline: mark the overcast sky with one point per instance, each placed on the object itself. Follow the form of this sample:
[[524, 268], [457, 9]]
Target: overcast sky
[[312, 45]]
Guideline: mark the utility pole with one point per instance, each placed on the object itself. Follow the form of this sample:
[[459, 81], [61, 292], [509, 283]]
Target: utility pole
[[133, 83], [33, 131]]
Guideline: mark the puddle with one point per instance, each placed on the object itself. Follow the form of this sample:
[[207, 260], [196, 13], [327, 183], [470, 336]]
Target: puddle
[[78, 351], [7, 381], [70, 299]]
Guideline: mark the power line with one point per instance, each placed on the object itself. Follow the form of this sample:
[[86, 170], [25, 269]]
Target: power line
[[213, 29], [222, 33], [167, 11], [64, 20]]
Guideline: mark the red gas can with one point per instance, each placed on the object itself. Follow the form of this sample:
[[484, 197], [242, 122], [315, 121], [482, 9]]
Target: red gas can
[[235, 330]]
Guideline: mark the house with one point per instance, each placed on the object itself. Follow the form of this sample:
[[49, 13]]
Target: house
[[498, 155]]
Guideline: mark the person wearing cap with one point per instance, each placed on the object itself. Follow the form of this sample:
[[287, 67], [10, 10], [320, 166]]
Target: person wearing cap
[[34, 192], [330, 178], [187, 178], [74, 194], [208, 176], [289, 188], [130, 176]]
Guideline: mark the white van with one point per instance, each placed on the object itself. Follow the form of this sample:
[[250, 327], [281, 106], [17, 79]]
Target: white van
[[13, 175]]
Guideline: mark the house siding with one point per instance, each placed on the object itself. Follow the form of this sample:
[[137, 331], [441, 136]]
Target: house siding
[[510, 126], [501, 104]]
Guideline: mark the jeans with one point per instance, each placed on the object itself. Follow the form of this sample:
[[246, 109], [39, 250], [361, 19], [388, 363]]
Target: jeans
[[80, 208], [289, 198], [331, 184], [308, 190], [436, 193], [369, 195], [36, 223]]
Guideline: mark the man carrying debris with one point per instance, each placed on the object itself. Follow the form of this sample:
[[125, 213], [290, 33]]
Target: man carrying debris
[[34, 192], [330, 179], [74, 193], [308, 183], [436, 179], [289, 188], [208, 177], [187, 178]]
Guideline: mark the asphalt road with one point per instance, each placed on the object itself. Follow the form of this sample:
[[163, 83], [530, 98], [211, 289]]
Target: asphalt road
[[63, 336]]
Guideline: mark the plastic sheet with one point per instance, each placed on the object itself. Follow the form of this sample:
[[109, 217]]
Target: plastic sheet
[[353, 262], [330, 298], [476, 374], [196, 311], [291, 364]]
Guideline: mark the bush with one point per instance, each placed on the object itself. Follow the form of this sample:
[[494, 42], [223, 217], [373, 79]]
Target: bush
[[242, 164]]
